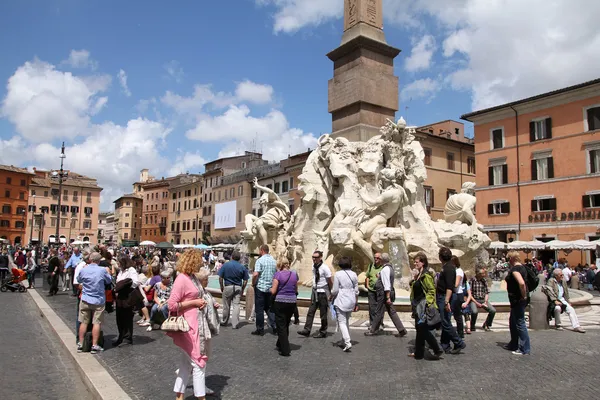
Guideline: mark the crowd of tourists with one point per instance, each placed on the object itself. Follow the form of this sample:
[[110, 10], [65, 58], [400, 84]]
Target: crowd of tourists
[[157, 285]]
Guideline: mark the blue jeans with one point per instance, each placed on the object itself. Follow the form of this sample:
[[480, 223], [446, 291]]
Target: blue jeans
[[519, 337], [164, 310], [262, 304], [448, 332]]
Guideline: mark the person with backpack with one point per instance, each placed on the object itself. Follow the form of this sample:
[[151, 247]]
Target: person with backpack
[[518, 296]]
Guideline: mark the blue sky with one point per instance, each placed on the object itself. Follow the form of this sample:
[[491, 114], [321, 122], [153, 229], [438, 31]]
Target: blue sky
[[169, 86]]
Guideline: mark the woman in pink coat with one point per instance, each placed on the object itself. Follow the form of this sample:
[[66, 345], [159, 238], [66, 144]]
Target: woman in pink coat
[[186, 299]]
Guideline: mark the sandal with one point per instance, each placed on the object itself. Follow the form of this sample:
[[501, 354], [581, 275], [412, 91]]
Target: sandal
[[468, 331]]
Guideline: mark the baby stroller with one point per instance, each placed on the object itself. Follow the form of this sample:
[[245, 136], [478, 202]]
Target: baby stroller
[[14, 283]]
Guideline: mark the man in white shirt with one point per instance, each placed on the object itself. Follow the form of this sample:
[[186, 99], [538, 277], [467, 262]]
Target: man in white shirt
[[322, 284], [567, 274], [558, 293], [385, 299]]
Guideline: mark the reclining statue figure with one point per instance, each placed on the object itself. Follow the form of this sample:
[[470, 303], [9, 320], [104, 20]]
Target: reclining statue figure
[[461, 206], [276, 215]]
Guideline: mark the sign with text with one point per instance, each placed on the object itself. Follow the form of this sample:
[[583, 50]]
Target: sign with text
[[225, 215], [586, 215]]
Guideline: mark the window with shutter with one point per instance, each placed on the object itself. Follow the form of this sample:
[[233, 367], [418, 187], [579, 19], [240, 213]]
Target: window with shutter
[[497, 138], [543, 204], [593, 118], [540, 129], [594, 163], [427, 159], [591, 200]]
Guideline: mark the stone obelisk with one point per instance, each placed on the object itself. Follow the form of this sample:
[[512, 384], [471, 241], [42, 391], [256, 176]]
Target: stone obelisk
[[364, 91]]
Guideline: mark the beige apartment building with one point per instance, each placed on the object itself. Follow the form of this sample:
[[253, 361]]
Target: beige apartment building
[[214, 172], [184, 216], [128, 219], [80, 207], [284, 182], [450, 161]]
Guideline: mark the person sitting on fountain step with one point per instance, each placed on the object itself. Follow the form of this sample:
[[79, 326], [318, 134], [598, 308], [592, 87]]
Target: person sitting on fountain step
[[385, 299], [558, 294], [321, 291]]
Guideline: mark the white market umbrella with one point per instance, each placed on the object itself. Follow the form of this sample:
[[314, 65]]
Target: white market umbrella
[[498, 245], [582, 244], [147, 243], [78, 242], [560, 245], [532, 245]]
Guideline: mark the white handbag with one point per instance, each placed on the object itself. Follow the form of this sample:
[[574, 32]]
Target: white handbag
[[175, 324]]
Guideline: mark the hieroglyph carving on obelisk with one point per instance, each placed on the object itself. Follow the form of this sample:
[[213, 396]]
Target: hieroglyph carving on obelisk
[[366, 11]]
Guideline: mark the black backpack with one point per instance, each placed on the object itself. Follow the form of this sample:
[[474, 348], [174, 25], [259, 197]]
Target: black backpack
[[531, 280]]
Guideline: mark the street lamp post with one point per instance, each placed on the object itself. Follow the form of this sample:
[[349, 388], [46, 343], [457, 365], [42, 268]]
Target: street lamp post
[[32, 219], [60, 175]]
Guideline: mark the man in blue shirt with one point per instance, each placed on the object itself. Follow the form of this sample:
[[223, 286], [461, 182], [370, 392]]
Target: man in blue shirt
[[70, 270], [262, 280], [92, 279], [233, 278]]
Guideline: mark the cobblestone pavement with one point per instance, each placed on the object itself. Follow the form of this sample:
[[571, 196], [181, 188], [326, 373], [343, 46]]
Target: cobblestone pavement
[[248, 367], [33, 362]]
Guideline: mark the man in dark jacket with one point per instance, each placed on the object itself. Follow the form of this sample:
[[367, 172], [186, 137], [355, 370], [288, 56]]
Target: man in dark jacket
[[444, 297], [3, 265], [54, 267]]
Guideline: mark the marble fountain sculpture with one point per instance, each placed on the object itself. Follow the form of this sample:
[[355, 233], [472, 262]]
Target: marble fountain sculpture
[[362, 197]]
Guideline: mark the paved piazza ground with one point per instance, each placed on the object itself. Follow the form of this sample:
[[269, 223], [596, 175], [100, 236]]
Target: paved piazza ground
[[33, 362], [248, 367]]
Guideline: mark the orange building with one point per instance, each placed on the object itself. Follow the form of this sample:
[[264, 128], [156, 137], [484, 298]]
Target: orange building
[[14, 189], [538, 168]]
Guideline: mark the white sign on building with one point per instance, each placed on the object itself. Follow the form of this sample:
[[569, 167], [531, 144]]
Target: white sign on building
[[225, 215]]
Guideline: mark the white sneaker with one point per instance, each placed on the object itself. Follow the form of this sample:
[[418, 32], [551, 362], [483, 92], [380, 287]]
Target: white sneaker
[[579, 329], [209, 392], [140, 321], [559, 328], [145, 323], [347, 348], [149, 329]]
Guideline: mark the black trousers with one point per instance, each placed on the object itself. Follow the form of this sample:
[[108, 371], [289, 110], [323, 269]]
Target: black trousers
[[425, 335], [125, 323], [283, 316], [321, 303], [372, 297], [296, 313], [54, 284]]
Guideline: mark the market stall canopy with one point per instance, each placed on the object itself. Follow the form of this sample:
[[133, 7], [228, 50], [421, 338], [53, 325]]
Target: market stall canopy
[[560, 245], [497, 245], [582, 244], [202, 246], [165, 245], [147, 243], [532, 245]]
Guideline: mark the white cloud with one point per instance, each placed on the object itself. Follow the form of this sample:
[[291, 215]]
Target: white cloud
[[548, 46], [13, 151], [512, 48], [44, 103], [80, 59], [187, 162], [122, 75], [254, 92], [293, 15], [291, 142], [421, 54], [421, 88], [174, 70], [205, 99], [114, 154]]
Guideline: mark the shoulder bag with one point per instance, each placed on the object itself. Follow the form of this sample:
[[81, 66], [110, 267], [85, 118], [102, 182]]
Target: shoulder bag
[[175, 324]]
